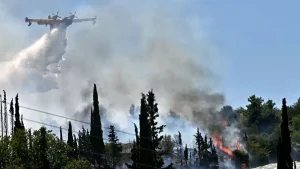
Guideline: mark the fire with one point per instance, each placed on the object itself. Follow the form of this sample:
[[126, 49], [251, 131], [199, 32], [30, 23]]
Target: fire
[[219, 144]]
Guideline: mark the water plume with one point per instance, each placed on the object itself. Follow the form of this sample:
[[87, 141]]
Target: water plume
[[34, 68]]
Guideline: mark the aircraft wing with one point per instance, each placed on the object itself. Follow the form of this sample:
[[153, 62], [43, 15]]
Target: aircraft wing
[[42, 21], [85, 19]]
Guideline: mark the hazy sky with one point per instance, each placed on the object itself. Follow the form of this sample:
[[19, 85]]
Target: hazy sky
[[255, 43]]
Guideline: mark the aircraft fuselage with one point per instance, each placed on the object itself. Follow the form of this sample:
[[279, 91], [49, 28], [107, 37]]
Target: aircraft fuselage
[[63, 25]]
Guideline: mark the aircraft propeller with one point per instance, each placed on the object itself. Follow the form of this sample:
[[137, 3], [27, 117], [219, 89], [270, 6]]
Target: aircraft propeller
[[73, 14], [56, 14]]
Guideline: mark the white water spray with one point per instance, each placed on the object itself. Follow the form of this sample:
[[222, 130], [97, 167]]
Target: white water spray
[[34, 69]]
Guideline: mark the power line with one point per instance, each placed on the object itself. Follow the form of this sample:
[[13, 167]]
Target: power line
[[80, 121], [90, 136], [54, 126]]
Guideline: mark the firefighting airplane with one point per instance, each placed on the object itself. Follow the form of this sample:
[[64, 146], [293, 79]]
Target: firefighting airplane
[[54, 22]]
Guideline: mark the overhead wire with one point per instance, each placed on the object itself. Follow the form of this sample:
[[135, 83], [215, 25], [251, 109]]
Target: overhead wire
[[54, 126]]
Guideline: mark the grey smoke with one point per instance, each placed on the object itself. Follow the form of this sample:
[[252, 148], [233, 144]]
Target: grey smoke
[[128, 51]]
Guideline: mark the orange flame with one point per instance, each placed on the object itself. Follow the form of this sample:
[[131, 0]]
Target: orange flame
[[219, 144]]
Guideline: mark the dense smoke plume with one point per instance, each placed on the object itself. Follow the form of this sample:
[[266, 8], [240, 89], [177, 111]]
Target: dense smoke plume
[[128, 51]]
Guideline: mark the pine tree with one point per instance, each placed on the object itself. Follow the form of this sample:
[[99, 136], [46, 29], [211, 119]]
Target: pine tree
[[186, 154], [284, 159], [96, 129], [199, 141], [213, 155], [155, 130], [115, 148]]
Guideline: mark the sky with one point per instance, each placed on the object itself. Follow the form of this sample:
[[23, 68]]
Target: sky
[[257, 40], [250, 46]]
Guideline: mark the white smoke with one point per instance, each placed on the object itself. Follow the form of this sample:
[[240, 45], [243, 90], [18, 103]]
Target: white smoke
[[34, 68], [128, 51]]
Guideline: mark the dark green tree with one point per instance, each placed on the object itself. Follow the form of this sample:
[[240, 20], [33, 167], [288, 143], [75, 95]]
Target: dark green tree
[[75, 146], [60, 134], [43, 149], [186, 154], [19, 148], [199, 141], [135, 151], [214, 160], [254, 109], [11, 110], [18, 121], [179, 150], [115, 148], [155, 130], [146, 156], [70, 141], [96, 130], [284, 159]]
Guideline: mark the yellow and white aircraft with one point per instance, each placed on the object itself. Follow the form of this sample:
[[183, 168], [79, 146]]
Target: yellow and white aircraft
[[55, 22]]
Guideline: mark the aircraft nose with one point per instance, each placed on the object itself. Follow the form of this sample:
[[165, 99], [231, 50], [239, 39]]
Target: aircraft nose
[[26, 19]]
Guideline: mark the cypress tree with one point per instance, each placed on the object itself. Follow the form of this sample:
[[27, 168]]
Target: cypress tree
[[146, 156], [180, 147], [186, 154], [11, 110], [96, 129], [30, 139], [75, 147], [60, 133], [18, 121], [43, 149], [70, 141], [284, 159]]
